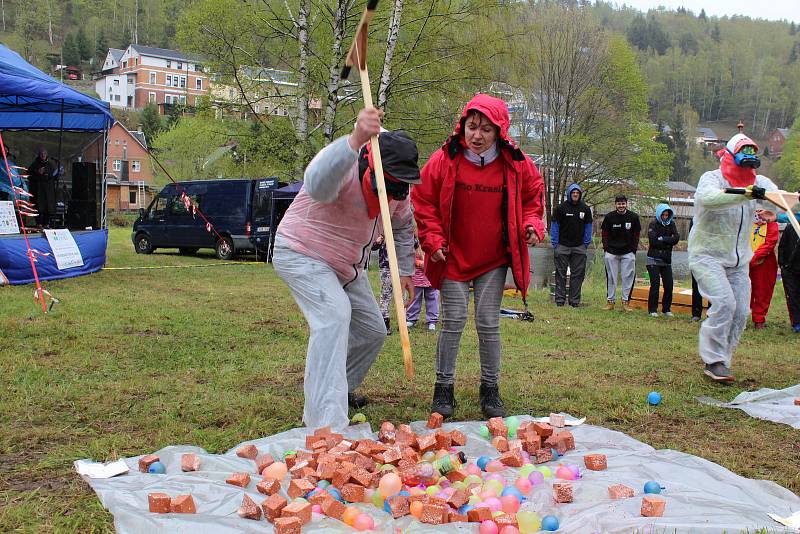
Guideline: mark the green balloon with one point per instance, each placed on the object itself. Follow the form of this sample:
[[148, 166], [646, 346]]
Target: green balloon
[[358, 418], [484, 431]]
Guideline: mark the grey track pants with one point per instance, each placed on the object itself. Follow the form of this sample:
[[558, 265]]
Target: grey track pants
[[623, 265], [347, 333], [455, 299], [575, 259]]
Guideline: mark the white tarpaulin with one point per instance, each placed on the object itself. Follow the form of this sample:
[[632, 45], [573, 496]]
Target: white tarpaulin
[[776, 405], [702, 497]]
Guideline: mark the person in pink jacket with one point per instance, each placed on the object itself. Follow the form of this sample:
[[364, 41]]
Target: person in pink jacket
[[321, 248]]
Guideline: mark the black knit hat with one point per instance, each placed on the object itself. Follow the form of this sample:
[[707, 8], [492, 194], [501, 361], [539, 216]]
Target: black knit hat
[[399, 156]]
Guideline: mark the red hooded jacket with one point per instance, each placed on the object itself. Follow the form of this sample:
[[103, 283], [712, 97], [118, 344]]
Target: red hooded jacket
[[433, 198]]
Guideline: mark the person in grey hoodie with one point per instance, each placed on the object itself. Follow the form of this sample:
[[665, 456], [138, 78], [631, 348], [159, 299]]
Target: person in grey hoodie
[[662, 235]]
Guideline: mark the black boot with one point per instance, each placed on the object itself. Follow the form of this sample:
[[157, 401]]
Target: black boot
[[444, 400], [388, 326], [491, 404], [354, 400]]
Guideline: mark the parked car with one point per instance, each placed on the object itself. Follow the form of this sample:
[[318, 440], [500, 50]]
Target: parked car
[[238, 210]]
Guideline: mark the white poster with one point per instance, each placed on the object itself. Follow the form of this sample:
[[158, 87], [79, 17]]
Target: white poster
[[64, 249], [8, 221]]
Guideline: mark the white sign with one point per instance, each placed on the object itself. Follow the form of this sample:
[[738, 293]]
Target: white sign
[[64, 249], [8, 221]]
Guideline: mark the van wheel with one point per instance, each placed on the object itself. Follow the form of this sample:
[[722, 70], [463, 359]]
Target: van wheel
[[188, 251], [143, 244], [225, 249]]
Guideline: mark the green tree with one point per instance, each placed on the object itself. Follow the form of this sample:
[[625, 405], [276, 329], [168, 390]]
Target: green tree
[[680, 164], [69, 51], [82, 43], [101, 46], [637, 33], [787, 169], [702, 16], [151, 122]]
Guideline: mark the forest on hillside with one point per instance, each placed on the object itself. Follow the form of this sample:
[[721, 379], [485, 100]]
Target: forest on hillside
[[667, 67]]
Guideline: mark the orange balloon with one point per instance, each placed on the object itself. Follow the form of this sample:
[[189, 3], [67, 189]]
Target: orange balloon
[[416, 509], [350, 514], [276, 470], [390, 484]]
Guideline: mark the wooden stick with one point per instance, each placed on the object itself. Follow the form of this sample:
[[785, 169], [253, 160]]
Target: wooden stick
[[783, 199], [358, 56]]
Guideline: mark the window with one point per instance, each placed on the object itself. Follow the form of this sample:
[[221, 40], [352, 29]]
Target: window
[[169, 64], [183, 99], [136, 165], [177, 206], [116, 98], [199, 83], [169, 79], [180, 65], [151, 97], [175, 81], [116, 82], [197, 68], [132, 197], [130, 80], [117, 164], [116, 141], [183, 81], [124, 64], [159, 207], [153, 77]]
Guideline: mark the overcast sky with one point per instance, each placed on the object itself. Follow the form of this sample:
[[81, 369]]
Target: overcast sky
[[770, 9]]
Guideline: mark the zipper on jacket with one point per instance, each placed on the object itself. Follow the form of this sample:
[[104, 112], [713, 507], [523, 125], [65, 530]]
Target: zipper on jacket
[[363, 252], [739, 233]]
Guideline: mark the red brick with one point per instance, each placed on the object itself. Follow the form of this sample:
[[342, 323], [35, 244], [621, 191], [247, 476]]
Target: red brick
[[298, 509], [342, 474], [387, 432], [620, 491], [478, 515], [531, 444], [458, 438], [426, 443], [458, 499], [146, 461], [434, 514], [557, 420], [362, 477], [290, 460], [264, 461], [299, 487], [182, 504], [653, 505], [159, 503], [562, 492], [515, 445], [353, 493], [392, 455], [333, 508], [288, 525], [398, 505], [249, 509], [543, 455], [543, 429], [497, 427], [500, 443], [456, 476], [567, 437], [455, 517], [272, 506], [239, 479], [506, 520], [797, 402], [435, 420], [319, 497], [269, 486], [512, 458], [443, 439], [247, 451], [190, 462], [595, 462]]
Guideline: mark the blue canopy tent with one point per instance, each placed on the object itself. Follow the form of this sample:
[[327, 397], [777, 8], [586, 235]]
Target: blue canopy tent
[[32, 100]]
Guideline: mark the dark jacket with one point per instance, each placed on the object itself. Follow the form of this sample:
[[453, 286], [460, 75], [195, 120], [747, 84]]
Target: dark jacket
[[662, 236], [789, 251], [572, 223], [621, 233]]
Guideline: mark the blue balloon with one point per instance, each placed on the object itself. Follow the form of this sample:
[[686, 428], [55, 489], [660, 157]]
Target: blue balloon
[[482, 461], [511, 490], [386, 506], [550, 523], [465, 508], [654, 398], [555, 453], [157, 468], [652, 487], [404, 493], [334, 493]]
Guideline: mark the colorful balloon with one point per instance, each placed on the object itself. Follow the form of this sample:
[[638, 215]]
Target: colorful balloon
[[550, 523], [652, 487], [488, 527], [528, 522], [363, 522], [157, 468], [389, 484], [276, 470], [524, 485], [536, 478]]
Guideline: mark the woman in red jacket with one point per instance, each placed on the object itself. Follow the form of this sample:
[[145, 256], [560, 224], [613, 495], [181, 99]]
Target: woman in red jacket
[[763, 268], [478, 208]]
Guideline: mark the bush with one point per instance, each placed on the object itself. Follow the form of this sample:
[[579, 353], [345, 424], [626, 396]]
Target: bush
[[122, 220]]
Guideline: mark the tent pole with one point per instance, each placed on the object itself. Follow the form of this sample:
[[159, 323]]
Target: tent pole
[[103, 184], [60, 140]]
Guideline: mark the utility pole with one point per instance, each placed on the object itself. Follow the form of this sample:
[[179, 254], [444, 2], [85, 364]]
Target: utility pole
[[136, 24]]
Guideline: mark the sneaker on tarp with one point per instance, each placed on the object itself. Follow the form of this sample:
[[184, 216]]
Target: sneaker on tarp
[[718, 372]]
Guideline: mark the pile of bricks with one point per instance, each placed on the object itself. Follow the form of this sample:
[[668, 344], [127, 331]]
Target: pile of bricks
[[161, 503]]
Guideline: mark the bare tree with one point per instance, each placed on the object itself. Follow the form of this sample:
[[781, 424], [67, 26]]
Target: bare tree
[[391, 45], [337, 56]]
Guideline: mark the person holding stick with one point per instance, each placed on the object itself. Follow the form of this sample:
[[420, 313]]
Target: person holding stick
[[321, 248], [479, 207], [720, 251]]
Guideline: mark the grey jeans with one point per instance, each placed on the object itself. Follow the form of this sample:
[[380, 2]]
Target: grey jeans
[[455, 299], [575, 259], [347, 332], [623, 265]]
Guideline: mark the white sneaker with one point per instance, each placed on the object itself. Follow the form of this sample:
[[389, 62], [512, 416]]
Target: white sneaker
[[432, 327], [654, 314], [669, 314], [410, 324]]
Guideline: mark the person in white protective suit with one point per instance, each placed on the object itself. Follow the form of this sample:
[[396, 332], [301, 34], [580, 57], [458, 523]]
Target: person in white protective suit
[[321, 249], [720, 251]]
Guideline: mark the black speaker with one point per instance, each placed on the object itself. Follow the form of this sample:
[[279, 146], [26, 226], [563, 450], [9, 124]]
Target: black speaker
[[84, 181], [81, 214]]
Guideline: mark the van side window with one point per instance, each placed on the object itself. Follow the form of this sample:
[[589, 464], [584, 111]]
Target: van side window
[[177, 208], [159, 206]]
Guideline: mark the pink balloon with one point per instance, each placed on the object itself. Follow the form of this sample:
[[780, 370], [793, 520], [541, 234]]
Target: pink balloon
[[565, 473], [536, 477], [363, 522], [317, 509], [494, 504], [494, 466], [496, 476], [509, 504], [488, 527], [488, 494], [473, 469], [523, 484], [509, 529]]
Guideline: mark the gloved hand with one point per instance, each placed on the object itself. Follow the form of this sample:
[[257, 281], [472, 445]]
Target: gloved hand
[[661, 238], [754, 191]]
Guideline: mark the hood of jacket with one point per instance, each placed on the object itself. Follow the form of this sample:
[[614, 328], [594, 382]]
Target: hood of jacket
[[661, 208], [570, 189]]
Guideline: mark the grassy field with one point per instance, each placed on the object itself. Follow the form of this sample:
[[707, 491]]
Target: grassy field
[[208, 354]]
